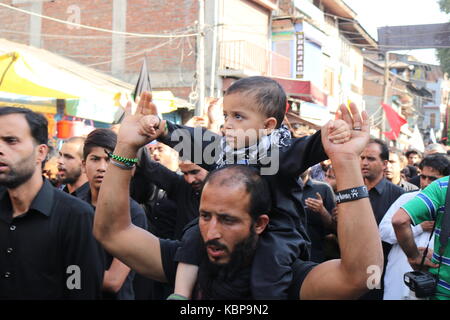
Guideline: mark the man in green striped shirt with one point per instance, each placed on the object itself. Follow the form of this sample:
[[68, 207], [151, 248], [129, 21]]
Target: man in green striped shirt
[[428, 205]]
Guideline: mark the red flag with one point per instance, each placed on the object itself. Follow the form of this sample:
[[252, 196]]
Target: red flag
[[390, 135], [395, 121]]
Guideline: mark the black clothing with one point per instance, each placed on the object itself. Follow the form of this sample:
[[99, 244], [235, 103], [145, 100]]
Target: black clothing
[[78, 192], [288, 239], [138, 218], [382, 196], [41, 249], [415, 181], [159, 209], [316, 229], [300, 270], [185, 198], [169, 204]]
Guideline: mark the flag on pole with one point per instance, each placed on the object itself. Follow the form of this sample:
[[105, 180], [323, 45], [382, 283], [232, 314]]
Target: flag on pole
[[395, 122], [432, 136], [143, 82], [416, 140]]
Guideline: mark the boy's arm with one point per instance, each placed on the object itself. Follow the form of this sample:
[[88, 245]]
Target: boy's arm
[[115, 276], [197, 145], [361, 251], [156, 173]]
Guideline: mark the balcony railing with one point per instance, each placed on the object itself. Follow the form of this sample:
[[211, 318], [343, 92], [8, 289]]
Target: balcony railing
[[250, 59]]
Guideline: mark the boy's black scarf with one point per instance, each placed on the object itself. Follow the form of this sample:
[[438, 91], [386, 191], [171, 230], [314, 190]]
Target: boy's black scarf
[[253, 154]]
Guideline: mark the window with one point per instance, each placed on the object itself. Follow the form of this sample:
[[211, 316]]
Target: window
[[432, 120]]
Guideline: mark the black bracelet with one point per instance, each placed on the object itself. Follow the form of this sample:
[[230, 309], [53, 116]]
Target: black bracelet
[[352, 194]]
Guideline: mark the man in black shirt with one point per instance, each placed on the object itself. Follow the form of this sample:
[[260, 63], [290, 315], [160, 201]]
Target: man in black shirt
[[233, 214], [70, 172], [118, 279], [47, 250], [183, 190], [319, 202], [382, 193]]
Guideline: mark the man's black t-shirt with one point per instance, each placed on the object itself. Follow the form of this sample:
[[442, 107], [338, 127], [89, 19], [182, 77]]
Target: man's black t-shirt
[[300, 269]]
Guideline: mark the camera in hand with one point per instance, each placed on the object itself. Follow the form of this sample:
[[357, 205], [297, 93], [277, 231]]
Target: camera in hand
[[422, 283]]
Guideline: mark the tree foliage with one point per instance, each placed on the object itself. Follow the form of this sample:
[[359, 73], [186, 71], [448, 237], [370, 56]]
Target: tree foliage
[[444, 5]]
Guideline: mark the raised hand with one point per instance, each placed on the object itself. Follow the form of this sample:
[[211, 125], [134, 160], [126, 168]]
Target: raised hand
[[143, 126], [315, 204], [360, 131]]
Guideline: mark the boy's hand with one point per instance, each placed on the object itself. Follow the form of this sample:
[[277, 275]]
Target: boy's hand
[[359, 133], [143, 126], [339, 131]]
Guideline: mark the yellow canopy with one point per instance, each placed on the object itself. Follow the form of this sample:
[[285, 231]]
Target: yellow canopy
[[35, 78], [31, 78]]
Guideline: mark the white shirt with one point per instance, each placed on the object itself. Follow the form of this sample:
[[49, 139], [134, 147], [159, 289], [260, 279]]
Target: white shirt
[[397, 266]]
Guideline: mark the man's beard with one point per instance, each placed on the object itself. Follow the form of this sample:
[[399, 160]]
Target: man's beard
[[221, 281], [19, 173], [72, 177]]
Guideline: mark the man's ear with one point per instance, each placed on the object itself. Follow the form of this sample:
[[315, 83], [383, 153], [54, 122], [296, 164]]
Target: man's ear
[[41, 152], [261, 223], [83, 166], [270, 123]]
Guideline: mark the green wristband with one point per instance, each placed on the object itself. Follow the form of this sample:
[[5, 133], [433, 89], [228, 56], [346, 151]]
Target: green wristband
[[175, 296], [126, 161]]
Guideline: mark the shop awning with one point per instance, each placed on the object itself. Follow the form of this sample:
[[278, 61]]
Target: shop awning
[[38, 104], [33, 81], [312, 114], [303, 90], [36, 78]]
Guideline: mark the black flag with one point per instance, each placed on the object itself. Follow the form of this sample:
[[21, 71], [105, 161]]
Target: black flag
[[143, 83]]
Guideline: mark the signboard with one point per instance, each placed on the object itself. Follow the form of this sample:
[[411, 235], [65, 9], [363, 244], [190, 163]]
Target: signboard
[[414, 37]]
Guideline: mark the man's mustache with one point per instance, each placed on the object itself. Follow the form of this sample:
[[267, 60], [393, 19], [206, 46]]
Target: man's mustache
[[216, 244]]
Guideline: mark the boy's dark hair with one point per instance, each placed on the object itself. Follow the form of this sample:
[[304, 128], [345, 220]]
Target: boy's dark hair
[[268, 95], [257, 187], [104, 138], [438, 162], [384, 155], [409, 152], [37, 122]]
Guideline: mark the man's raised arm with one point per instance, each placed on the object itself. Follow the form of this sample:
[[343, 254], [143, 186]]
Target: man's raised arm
[[137, 248], [361, 263]]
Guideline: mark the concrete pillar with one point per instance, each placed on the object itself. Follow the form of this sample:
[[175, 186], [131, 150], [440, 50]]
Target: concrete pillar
[[35, 24], [118, 41]]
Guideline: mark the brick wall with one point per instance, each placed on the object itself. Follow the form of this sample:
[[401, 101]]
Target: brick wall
[[286, 6], [171, 65]]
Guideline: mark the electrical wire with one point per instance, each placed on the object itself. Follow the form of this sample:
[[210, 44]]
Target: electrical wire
[[143, 35], [128, 56], [86, 37]]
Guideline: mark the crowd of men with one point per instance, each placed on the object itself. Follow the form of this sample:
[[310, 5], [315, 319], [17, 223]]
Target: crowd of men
[[111, 219]]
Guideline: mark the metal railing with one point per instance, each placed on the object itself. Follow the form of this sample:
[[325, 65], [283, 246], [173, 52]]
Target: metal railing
[[245, 56]]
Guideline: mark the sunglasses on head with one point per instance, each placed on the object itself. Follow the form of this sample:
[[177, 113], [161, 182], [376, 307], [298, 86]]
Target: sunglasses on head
[[431, 178]]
